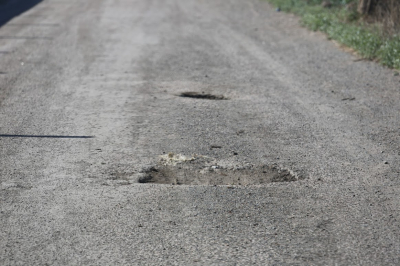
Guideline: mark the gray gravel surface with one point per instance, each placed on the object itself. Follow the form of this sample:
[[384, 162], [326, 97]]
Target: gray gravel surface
[[89, 98]]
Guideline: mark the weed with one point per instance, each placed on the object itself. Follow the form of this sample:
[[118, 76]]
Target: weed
[[342, 23]]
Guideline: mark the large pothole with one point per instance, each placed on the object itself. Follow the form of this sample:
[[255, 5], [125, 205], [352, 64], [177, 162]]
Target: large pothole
[[199, 170]]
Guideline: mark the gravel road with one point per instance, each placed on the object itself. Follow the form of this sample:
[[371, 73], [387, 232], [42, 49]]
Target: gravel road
[[91, 97]]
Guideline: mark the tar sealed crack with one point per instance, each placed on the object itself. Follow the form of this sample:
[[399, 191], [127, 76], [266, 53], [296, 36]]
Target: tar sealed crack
[[206, 171], [203, 96]]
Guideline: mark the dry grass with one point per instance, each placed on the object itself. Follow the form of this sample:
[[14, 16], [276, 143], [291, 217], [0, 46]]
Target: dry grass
[[386, 13]]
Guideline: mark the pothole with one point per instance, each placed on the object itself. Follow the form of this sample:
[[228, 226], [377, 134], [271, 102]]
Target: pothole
[[200, 170], [204, 96]]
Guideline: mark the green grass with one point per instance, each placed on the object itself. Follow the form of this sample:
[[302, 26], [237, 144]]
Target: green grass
[[342, 24]]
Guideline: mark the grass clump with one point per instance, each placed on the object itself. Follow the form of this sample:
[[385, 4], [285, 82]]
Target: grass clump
[[341, 22]]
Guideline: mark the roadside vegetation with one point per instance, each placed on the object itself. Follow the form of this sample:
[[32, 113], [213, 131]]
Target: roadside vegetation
[[370, 27]]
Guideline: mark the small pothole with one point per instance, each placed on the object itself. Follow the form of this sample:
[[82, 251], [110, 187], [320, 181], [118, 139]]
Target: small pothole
[[200, 170], [204, 96]]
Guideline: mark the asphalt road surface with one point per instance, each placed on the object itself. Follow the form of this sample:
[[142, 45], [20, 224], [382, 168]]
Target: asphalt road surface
[[90, 100]]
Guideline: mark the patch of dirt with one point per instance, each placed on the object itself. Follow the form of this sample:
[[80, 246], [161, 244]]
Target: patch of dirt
[[204, 96], [200, 170]]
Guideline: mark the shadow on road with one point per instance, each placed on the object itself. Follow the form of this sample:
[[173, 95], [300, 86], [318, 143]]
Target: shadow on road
[[45, 136], [13, 8], [24, 38]]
